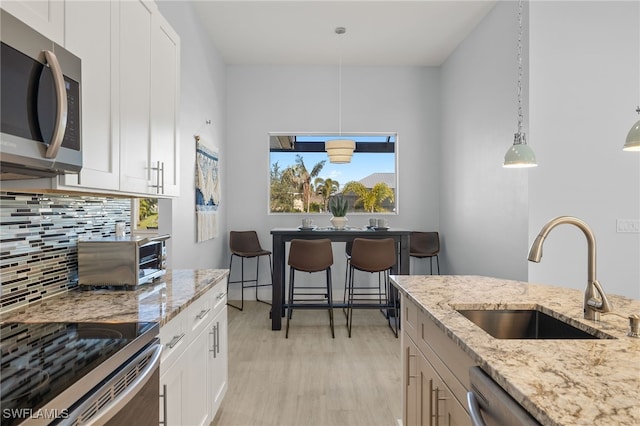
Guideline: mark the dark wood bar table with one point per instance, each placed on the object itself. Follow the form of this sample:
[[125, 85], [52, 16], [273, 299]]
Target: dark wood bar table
[[281, 236]]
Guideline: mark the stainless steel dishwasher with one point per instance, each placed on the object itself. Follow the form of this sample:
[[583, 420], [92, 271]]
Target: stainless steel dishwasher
[[490, 405]]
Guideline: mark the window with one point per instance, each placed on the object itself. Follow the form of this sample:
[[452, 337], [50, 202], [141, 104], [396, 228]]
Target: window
[[302, 180], [145, 215]]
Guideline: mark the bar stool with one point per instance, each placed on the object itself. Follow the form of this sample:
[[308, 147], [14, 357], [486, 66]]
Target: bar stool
[[372, 255], [424, 245], [310, 256], [245, 245]]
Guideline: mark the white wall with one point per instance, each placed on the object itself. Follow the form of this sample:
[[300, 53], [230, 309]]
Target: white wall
[[483, 207], [203, 97], [264, 99], [585, 74]]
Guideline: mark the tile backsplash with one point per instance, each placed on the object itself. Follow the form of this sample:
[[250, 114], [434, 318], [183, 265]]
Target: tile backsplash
[[38, 241]]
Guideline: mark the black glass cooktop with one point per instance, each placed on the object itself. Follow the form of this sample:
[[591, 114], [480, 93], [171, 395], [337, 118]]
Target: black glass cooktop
[[39, 361]]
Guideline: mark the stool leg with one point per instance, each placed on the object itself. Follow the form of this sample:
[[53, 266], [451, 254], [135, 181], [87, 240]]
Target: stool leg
[[242, 284], [347, 275], [350, 302], [438, 263], [330, 301], [290, 307], [229, 280]]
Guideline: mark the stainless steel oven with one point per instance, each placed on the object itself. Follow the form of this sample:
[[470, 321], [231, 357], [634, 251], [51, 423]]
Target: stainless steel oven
[[80, 374]]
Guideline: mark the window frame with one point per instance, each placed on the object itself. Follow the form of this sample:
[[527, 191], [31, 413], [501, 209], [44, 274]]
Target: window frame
[[319, 147]]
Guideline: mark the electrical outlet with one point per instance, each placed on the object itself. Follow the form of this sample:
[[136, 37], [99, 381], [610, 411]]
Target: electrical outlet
[[628, 225]]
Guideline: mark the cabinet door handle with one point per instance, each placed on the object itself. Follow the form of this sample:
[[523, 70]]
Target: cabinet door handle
[[409, 375], [159, 186], [436, 408], [218, 336], [221, 295], [214, 333], [203, 313], [164, 405], [175, 340], [162, 175]]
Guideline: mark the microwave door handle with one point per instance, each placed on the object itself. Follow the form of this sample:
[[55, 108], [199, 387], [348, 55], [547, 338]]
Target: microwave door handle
[[61, 105]]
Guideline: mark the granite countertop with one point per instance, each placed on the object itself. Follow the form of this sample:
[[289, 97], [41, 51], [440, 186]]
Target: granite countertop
[[159, 301], [560, 382]]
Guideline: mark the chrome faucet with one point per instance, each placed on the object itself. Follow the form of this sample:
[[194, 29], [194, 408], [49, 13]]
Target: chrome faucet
[[592, 306]]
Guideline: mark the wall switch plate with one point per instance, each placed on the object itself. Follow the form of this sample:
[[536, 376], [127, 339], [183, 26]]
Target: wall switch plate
[[628, 225]]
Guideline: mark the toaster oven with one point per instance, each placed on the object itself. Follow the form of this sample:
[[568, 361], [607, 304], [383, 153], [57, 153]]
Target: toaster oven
[[121, 261]]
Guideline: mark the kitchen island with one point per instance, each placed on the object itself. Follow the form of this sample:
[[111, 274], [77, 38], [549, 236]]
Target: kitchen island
[[559, 382], [159, 301]]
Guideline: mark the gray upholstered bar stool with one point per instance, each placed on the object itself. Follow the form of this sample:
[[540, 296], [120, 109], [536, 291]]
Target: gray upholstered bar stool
[[372, 255], [245, 244], [424, 245], [310, 256]]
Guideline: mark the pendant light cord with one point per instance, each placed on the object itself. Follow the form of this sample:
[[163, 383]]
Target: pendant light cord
[[340, 95], [520, 72]]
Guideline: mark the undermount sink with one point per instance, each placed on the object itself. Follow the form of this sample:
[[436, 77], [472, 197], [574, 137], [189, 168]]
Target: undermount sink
[[526, 324]]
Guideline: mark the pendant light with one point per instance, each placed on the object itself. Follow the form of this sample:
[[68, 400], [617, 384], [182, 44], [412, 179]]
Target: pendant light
[[340, 150], [633, 137], [520, 154]]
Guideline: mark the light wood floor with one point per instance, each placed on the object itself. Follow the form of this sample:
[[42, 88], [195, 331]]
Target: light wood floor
[[311, 379]]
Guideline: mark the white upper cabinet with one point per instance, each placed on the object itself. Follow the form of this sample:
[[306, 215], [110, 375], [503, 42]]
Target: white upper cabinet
[[99, 54], [135, 96], [45, 16], [165, 92], [130, 97]]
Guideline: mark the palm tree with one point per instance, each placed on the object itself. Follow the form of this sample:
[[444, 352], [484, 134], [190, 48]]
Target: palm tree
[[304, 177], [371, 199], [326, 188]]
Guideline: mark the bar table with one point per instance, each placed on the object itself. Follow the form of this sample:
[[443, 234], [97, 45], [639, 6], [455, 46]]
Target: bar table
[[280, 236]]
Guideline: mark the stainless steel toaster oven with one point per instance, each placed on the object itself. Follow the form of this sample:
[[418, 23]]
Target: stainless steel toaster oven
[[121, 261]]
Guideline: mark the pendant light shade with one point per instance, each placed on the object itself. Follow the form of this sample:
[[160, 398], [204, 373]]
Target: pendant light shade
[[520, 154], [633, 138], [340, 150]]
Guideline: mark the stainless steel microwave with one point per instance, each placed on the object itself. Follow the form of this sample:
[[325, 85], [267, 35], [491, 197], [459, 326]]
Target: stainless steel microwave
[[125, 262], [40, 133]]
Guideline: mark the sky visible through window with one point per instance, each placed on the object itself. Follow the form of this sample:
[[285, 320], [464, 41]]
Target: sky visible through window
[[362, 164]]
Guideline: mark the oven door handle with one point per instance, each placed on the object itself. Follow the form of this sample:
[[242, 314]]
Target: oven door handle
[[107, 412]]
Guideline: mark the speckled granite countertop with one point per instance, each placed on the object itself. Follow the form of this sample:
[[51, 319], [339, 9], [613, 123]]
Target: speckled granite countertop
[[158, 302], [560, 382]]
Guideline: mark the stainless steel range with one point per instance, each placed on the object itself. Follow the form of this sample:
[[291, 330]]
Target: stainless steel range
[[79, 373]]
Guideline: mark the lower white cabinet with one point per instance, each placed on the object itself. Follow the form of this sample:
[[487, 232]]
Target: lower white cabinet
[[218, 359], [193, 369], [435, 372]]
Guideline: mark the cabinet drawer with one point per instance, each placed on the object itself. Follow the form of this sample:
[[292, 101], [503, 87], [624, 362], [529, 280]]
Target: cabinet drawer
[[218, 296], [409, 317], [199, 315], [173, 337]]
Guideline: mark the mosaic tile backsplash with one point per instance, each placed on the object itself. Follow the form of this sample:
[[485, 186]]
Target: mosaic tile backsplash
[[38, 241]]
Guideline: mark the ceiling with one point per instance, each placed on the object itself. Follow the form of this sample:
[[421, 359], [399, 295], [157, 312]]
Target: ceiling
[[302, 32]]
